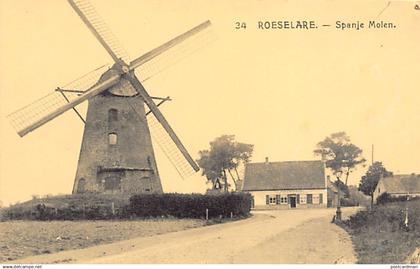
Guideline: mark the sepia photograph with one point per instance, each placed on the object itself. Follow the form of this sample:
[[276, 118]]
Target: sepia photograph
[[153, 132]]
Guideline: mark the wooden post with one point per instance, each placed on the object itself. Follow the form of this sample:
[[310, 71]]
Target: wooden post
[[231, 215], [207, 214], [113, 209]]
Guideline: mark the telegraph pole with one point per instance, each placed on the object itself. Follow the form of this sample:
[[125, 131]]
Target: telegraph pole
[[372, 154]]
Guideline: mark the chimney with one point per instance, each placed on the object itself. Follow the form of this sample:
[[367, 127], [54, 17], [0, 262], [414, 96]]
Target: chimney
[[266, 160]]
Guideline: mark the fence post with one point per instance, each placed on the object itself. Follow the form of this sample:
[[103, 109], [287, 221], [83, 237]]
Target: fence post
[[207, 214], [113, 209], [231, 215], [84, 211]]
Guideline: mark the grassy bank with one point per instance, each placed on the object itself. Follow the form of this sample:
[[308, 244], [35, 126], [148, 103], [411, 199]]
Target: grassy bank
[[380, 236]]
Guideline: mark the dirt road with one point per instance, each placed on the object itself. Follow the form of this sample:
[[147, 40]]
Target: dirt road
[[287, 236]]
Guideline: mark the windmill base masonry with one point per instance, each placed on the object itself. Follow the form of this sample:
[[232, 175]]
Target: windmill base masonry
[[117, 153]]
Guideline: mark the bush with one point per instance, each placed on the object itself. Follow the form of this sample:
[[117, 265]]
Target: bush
[[67, 207], [386, 216], [97, 206], [348, 202], [190, 205], [387, 198], [382, 235]]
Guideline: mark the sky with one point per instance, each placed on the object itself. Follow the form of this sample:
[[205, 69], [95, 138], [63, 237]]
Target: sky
[[281, 90]]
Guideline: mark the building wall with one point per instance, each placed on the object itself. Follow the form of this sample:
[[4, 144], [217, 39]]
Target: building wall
[[130, 161], [259, 198], [380, 189]]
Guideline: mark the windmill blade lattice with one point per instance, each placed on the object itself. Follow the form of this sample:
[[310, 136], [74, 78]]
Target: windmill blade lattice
[[169, 148], [29, 114], [175, 54], [96, 24]]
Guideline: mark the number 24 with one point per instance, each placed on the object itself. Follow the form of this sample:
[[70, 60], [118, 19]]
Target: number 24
[[240, 25]]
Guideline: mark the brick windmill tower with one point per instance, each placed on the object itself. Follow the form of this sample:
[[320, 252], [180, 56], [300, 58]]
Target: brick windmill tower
[[117, 154]]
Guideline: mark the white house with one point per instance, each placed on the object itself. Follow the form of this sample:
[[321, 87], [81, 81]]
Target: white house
[[398, 185], [292, 184]]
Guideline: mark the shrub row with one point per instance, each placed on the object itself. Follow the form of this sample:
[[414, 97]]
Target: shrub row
[[387, 198], [190, 205], [95, 207], [68, 207], [389, 217], [348, 202]]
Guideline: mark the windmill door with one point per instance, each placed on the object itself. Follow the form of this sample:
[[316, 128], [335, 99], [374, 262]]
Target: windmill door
[[110, 181]]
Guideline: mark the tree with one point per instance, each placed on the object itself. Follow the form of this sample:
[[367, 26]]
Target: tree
[[341, 156], [224, 156], [369, 181]]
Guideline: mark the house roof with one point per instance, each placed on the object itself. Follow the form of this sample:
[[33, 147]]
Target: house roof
[[402, 183], [284, 175]]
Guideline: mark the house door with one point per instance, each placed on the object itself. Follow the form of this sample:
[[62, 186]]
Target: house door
[[292, 202]]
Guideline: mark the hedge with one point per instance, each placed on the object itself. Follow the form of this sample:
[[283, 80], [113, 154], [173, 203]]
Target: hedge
[[387, 198], [190, 205], [68, 207], [99, 207]]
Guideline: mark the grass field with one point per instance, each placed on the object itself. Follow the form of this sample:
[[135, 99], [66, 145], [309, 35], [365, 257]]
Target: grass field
[[20, 239], [380, 236]]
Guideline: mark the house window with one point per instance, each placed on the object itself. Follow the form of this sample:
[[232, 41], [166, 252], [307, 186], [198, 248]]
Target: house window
[[112, 138], [112, 115], [272, 199], [302, 199], [315, 199], [309, 198], [283, 199], [321, 200]]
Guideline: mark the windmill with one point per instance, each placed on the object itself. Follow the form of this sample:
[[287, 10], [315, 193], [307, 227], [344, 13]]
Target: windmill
[[116, 154]]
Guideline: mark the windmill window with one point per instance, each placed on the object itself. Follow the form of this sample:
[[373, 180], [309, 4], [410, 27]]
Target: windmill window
[[81, 185], [112, 115], [112, 138]]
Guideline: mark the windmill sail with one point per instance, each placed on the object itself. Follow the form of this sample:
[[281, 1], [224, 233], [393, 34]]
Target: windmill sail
[[162, 120], [49, 107], [100, 30], [28, 115], [169, 148], [176, 49]]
